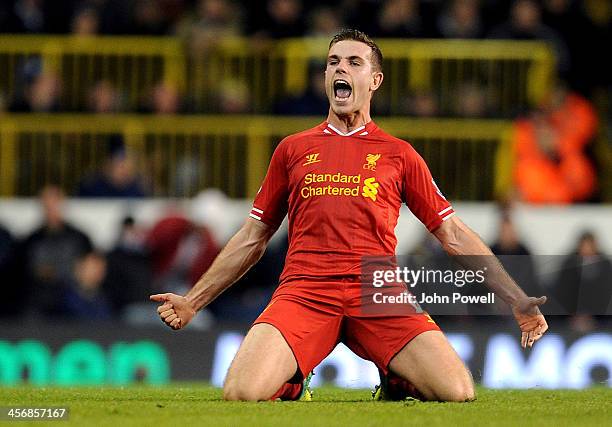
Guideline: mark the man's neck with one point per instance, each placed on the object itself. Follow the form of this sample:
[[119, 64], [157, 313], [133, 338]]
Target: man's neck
[[54, 225], [349, 122]]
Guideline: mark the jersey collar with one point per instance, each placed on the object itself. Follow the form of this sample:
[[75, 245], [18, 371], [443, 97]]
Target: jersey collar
[[364, 130]]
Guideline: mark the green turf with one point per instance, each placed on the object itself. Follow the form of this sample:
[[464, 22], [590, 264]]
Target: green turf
[[181, 405]]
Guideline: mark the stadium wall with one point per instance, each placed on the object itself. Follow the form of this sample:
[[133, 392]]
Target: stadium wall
[[546, 230]]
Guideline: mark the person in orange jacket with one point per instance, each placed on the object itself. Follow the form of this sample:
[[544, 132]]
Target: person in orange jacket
[[550, 163]]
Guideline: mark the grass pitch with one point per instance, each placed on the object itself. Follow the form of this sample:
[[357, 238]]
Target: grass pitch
[[182, 405]]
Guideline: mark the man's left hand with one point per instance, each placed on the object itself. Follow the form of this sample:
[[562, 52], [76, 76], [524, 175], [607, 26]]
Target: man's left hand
[[530, 320]]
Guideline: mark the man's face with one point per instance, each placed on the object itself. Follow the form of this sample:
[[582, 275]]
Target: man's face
[[52, 201], [350, 78]]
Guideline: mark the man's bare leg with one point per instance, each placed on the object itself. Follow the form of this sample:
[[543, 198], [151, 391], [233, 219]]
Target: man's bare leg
[[263, 364], [431, 364]]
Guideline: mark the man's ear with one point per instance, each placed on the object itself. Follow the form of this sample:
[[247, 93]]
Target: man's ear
[[377, 80]]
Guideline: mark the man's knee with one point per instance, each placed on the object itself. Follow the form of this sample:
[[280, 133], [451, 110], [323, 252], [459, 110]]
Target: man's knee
[[459, 390], [236, 390]]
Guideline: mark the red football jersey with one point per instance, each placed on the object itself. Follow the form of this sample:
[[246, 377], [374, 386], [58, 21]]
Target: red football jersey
[[343, 193]]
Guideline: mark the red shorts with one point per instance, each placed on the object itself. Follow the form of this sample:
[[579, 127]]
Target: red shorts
[[314, 317]]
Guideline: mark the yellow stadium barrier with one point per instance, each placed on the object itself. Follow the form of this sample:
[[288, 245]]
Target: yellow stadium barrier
[[181, 155], [511, 75], [132, 64]]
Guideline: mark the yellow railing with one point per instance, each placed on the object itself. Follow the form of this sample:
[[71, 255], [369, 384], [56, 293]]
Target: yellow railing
[[182, 155], [512, 74], [132, 64]]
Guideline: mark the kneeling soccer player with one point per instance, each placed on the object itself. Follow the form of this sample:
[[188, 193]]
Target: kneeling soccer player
[[341, 184]]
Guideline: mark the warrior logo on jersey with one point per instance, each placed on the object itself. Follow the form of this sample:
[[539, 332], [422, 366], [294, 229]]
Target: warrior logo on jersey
[[311, 158], [371, 160]]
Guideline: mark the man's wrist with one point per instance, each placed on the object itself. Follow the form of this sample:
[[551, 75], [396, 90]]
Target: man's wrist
[[513, 301], [194, 303], [518, 301]]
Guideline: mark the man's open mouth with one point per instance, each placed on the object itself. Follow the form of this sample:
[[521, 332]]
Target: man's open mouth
[[342, 90]]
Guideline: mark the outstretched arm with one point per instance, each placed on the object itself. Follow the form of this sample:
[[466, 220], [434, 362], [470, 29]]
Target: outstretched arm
[[239, 255], [458, 239]]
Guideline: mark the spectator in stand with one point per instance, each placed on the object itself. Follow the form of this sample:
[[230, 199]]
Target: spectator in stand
[[232, 97], [283, 20], [86, 22], [514, 254], [25, 16], [525, 23], [6, 248], [550, 161], [181, 252], [85, 298], [583, 286], [508, 241], [421, 103], [13, 295], [313, 101], [129, 276], [118, 178], [104, 98], [47, 257], [42, 92], [148, 18], [324, 21], [35, 16], [164, 98], [471, 101], [400, 19], [460, 20], [213, 20]]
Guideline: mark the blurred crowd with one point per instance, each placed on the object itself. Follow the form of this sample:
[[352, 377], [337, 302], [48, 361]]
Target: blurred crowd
[[578, 285], [554, 159], [578, 31], [56, 273]]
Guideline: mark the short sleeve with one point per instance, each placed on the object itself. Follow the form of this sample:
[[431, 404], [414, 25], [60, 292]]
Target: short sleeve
[[270, 204], [421, 193]]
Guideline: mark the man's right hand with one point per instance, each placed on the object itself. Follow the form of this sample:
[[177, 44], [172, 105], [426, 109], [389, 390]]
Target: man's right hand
[[175, 310]]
